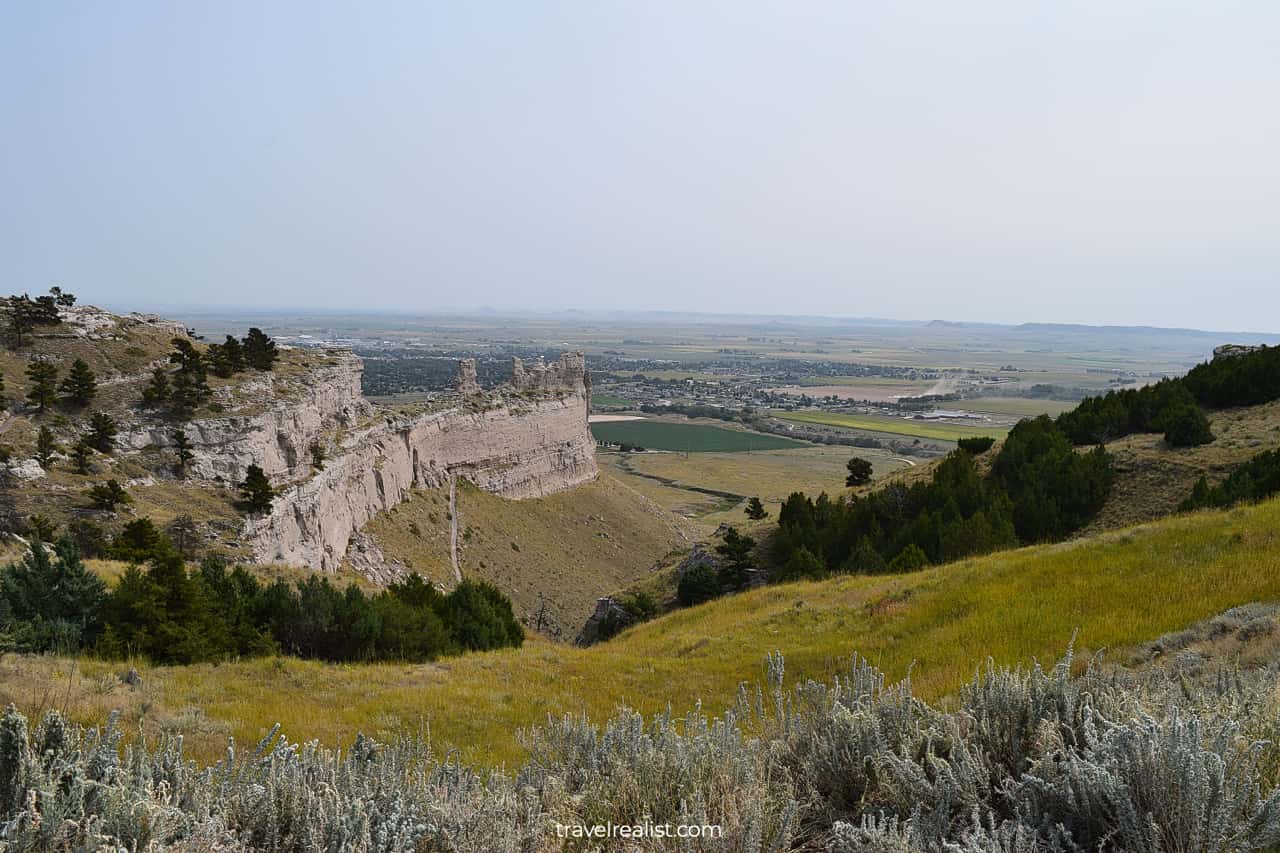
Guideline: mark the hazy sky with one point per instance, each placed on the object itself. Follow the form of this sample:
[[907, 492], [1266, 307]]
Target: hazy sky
[[1104, 162]]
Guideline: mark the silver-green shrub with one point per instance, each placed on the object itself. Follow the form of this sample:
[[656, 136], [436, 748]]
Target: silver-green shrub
[[1028, 760]]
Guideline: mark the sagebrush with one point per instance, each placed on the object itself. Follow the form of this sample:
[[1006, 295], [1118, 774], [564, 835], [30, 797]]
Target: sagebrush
[[1029, 760]]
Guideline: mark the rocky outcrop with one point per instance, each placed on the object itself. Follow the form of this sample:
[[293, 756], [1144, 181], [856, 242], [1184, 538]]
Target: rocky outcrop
[[517, 445], [274, 426], [1234, 350]]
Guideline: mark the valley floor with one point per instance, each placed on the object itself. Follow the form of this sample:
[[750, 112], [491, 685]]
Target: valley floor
[[1118, 590]]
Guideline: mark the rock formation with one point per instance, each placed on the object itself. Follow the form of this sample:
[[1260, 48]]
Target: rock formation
[[518, 447], [274, 434]]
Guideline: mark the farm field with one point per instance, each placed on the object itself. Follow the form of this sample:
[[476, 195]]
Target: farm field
[[941, 624], [604, 401], [688, 437], [895, 426], [1023, 407]]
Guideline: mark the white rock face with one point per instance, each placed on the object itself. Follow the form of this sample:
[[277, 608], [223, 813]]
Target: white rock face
[[277, 438], [523, 440], [544, 446]]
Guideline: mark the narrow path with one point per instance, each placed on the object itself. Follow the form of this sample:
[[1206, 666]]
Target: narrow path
[[453, 527]]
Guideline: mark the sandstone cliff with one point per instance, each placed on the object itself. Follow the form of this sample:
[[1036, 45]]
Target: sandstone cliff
[[272, 424], [519, 441]]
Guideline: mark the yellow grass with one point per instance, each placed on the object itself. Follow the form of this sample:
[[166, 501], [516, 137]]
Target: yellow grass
[[1120, 589]]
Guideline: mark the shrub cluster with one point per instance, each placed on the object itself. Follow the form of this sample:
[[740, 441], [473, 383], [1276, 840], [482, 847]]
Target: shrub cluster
[[1039, 489], [1254, 480], [1173, 406], [1022, 761], [1167, 406], [167, 613]]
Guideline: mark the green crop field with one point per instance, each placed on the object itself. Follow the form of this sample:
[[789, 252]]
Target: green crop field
[[604, 401], [693, 438], [895, 426]]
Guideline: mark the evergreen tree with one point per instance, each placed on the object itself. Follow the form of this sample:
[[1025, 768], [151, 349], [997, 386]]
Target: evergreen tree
[[256, 490], [61, 297], [735, 559], [107, 496], [226, 359], [46, 446], [184, 534], [190, 385], [859, 472], [259, 350], [157, 392], [21, 320], [909, 559], [80, 385], [53, 602], [43, 391], [81, 452], [25, 314], [699, 583], [102, 432], [755, 510], [139, 541], [182, 450]]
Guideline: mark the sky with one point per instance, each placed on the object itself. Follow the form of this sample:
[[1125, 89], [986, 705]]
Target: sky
[[1095, 162]]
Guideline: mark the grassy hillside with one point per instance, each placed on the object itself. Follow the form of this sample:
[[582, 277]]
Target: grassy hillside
[[1154, 478], [1119, 589], [566, 549], [708, 488]]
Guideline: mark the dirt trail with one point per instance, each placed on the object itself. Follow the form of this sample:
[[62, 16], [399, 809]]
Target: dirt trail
[[453, 527]]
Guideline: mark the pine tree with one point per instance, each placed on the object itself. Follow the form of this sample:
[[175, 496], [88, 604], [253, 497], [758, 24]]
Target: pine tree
[[191, 382], [184, 533], [256, 490], [46, 446], [259, 350], [182, 449], [107, 496], [227, 358], [157, 392], [80, 385], [54, 599], [80, 455], [755, 510], [102, 432], [859, 472], [43, 377], [25, 314], [62, 297]]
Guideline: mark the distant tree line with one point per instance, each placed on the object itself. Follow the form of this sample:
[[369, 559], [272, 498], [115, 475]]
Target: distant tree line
[[167, 613], [1039, 489], [1174, 406]]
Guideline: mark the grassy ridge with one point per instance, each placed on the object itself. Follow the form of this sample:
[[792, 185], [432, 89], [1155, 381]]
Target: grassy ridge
[[1119, 589], [893, 426]]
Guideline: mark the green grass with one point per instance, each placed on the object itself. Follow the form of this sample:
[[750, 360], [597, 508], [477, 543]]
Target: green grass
[[690, 437], [1120, 589], [894, 426], [604, 401]]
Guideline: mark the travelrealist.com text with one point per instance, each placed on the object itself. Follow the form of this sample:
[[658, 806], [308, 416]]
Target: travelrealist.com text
[[639, 830]]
